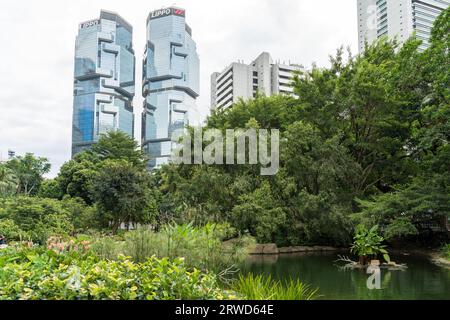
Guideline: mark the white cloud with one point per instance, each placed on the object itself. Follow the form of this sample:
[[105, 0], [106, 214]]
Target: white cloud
[[38, 38]]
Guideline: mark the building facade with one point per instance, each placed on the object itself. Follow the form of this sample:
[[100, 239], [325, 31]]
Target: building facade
[[104, 80], [171, 82], [397, 19], [244, 81]]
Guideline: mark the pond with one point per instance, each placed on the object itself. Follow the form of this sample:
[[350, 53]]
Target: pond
[[422, 279]]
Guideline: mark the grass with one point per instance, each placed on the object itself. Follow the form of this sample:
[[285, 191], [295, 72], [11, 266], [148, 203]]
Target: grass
[[265, 288]]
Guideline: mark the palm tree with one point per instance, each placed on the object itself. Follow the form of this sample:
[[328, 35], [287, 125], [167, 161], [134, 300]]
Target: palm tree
[[8, 182]]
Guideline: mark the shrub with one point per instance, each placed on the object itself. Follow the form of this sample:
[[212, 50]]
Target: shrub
[[265, 288], [38, 218], [368, 243], [11, 231], [32, 274]]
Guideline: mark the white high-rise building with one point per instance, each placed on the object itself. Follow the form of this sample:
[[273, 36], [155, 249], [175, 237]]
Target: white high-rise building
[[397, 19], [240, 80]]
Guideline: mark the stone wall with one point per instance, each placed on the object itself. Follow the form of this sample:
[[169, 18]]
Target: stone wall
[[272, 248]]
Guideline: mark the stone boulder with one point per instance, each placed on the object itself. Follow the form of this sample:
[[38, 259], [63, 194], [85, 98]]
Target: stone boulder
[[270, 248]]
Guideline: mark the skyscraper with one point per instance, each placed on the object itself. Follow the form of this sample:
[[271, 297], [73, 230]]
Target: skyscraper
[[170, 82], [397, 19], [104, 81], [240, 80]]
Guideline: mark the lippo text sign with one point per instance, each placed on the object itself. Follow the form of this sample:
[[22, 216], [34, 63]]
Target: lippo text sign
[[89, 24], [167, 12]]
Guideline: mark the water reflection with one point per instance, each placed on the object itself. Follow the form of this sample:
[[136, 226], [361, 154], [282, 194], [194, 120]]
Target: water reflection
[[421, 280]]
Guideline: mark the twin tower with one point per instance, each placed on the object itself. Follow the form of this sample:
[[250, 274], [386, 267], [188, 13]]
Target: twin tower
[[104, 81]]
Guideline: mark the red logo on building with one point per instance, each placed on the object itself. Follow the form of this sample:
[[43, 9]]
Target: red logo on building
[[179, 12]]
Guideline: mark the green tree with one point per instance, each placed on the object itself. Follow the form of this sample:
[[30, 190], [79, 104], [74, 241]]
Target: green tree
[[122, 193], [117, 145], [38, 218], [50, 188], [29, 171], [8, 181], [76, 175], [425, 196]]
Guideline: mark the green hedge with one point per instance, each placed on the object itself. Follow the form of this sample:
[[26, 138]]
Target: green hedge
[[36, 274]]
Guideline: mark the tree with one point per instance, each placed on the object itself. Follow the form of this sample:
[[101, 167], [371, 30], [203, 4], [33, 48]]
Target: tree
[[75, 176], [117, 145], [365, 140], [121, 192], [425, 197], [8, 181], [50, 188], [29, 171], [38, 218]]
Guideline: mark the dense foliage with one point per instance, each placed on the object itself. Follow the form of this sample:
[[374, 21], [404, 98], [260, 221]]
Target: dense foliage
[[30, 274], [364, 142]]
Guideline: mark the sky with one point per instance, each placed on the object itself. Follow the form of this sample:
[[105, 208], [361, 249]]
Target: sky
[[37, 45]]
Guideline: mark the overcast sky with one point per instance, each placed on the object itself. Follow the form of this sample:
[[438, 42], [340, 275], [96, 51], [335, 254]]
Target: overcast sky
[[38, 39]]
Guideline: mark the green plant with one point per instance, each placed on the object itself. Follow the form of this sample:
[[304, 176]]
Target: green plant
[[38, 274], [11, 231], [8, 181], [265, 288], [201, 247], [446, 251], [106, 247], [37, 218], [368, 243]]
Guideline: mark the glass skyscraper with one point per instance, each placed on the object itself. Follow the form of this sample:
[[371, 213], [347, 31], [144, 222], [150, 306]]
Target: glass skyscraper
[[170, 82], [104, 81]]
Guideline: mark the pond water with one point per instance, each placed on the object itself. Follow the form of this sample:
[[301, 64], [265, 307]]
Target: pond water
[[420, 281]]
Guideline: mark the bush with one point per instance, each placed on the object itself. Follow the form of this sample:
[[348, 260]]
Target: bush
[[265, 288], [31, 274], [38, 218], [11, 231], [368, 244]]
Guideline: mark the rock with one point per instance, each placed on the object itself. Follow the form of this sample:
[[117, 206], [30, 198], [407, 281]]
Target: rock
[[285, 250], [270, 248], [257, 249], [301, 249], [375, 263]]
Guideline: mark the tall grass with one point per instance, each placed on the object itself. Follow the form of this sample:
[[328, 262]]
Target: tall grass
[[201, 247], [265, 288]]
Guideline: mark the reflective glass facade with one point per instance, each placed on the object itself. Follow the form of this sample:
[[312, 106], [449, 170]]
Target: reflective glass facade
[[104, 81], [170, 82]]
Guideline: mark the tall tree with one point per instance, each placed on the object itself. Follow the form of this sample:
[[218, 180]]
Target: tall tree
[[122, 193], [117, 145], [8, 181], [29, 171]]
